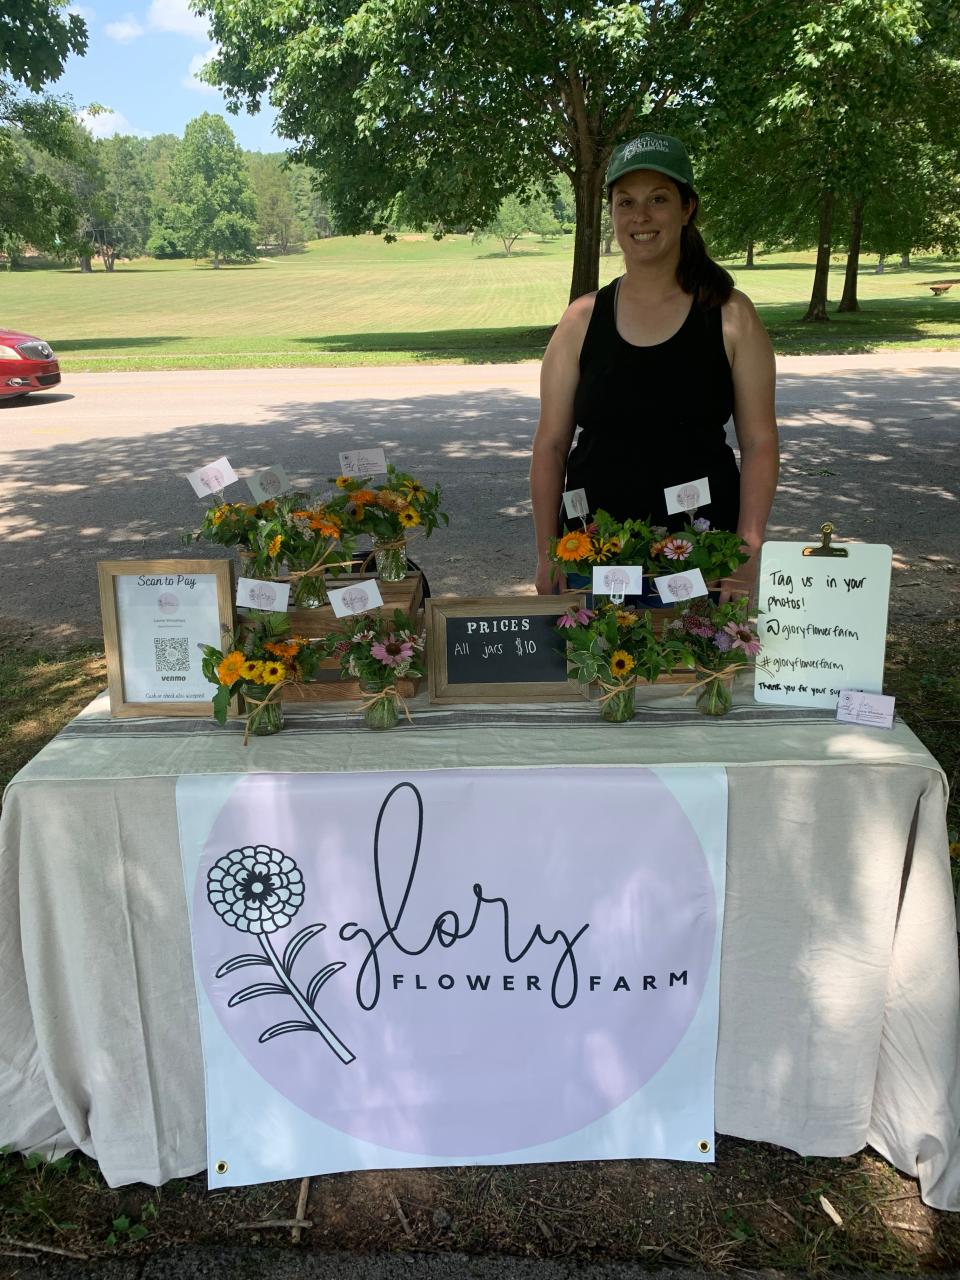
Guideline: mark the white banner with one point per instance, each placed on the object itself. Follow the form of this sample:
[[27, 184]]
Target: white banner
[[461, 966]]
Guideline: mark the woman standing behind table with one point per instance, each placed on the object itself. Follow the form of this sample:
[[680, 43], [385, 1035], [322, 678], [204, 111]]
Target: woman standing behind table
[[650, 368]]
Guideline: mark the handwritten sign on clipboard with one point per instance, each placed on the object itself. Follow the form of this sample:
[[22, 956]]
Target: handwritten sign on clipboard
[[822, 623]]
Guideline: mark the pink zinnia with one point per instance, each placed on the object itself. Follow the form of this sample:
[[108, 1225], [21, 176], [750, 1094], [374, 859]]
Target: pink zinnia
[[743, 638], [575, 618], [677, 548], [393, 651]]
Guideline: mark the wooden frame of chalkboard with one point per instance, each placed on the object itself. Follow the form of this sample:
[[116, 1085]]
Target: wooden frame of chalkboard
[[498, 640]]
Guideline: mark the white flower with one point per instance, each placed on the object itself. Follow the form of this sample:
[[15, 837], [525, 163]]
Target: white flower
[[255, 889]]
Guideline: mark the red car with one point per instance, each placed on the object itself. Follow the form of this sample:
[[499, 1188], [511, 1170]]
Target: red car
[[26, 364]]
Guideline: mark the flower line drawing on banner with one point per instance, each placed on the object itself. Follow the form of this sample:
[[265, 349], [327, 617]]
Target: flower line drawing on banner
[[258, 890]]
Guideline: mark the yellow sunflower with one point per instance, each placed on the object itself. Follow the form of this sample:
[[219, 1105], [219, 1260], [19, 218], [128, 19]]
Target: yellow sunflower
[[342, 482], [621, 664], [252, 670], [274, 547], [574, 546], [273, 672], [602, 551], [414, 490], [230, 669], [408, 517], [626, 618], [219, 514]]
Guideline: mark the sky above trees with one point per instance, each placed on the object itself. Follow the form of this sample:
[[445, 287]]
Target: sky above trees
[[141, 62]]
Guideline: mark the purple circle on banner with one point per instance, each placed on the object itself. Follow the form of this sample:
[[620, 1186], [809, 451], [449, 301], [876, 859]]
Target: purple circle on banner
[[487, 1019]]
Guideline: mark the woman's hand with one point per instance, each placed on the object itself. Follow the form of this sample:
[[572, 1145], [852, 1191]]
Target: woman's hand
[[744, 581], [549, 580]]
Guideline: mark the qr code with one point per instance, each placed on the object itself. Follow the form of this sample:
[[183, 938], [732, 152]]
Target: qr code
[[171, 653]]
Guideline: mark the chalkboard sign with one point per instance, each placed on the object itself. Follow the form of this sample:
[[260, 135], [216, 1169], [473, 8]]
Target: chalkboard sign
[[822, 623], [499, 650]]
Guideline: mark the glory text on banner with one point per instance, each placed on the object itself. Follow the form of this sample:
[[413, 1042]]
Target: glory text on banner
[[455, 966]]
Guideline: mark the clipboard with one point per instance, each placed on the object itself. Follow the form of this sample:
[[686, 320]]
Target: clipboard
[[822, 621]]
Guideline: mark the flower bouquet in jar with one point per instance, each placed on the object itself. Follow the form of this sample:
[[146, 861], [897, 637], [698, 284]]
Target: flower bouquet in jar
[[389, 513], [601, 541], [379, 652], [717, 553], [257, 663], [718, 641], [616, 648]]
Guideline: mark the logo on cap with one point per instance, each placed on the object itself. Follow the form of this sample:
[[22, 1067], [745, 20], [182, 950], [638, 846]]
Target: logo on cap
[[646, 142]]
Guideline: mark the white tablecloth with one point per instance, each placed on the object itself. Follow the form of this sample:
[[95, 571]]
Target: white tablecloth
[[840, 1011]]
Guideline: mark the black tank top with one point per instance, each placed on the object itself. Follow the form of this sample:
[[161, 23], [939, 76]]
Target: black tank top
[[652, 417]]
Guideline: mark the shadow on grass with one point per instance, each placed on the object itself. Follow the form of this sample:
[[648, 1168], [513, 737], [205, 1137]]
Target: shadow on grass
[[471, 346], [878, 321], [65, 346]]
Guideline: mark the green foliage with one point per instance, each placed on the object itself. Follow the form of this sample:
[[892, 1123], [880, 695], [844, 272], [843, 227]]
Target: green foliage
[[213, 209], [123, 1230], [36, 38], [279, 224]]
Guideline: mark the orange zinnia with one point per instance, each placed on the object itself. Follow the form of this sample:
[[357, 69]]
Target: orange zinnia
[[573, 546], [228, 672], [286, 649]]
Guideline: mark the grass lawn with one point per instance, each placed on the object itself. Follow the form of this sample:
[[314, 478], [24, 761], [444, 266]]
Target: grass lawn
[[358, 301]]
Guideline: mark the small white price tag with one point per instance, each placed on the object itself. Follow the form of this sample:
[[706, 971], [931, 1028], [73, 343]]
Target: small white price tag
[[675, 587], [875, 709], [362, 462], [575, 504], [618, 580], [687, 497], [267, 484], [255, 593], [357, 598], [213, 478]]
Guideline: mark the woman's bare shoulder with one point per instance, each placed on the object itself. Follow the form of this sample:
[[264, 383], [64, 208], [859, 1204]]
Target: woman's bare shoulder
[[738, 312], [573, 324]]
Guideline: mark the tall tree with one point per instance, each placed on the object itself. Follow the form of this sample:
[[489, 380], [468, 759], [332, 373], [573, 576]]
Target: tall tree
[[128, 207], [432, 111], [278, 223], [213, 211], [36, 37]]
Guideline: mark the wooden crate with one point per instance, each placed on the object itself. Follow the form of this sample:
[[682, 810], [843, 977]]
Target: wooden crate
[[328, 687], [315, 623]]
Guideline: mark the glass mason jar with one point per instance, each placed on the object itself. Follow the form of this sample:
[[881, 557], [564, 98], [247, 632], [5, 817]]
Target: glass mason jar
[[620, 706], [715, 697], [380, 712], [262, 717], [309, 592], [391, 559]]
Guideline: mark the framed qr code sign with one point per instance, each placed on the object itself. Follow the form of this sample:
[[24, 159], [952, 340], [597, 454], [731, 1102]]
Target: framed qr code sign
[[156, 615]]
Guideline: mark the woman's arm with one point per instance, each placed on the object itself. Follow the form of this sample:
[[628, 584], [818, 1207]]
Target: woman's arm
[[559, 375], [755, 420]]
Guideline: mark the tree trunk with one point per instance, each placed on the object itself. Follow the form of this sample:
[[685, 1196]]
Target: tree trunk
[[849, 300], [216, 263], [878, 270], [817, 310], [749, 261], [587, 189], [608, 245], [905, 259], [85, 263]]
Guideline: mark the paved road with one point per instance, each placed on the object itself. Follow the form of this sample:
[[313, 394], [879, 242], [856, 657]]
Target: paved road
[[96, 471]]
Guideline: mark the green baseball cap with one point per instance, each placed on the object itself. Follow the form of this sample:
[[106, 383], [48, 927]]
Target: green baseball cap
[[651, 151]]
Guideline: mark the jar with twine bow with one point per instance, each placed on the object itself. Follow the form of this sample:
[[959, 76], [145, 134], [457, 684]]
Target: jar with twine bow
[[615, 648], [379, 652], [718, 642], [390, 514], [258, 664]]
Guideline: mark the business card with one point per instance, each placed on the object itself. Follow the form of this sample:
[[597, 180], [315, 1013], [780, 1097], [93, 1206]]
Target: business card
[[362, 462], [687, 497], [677, 587], [255, 593], [618, 580], [874, 709], [357, 598], [268, 483], [575, 504], [213, 478]]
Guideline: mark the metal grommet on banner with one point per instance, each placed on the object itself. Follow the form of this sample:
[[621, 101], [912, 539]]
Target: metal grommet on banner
[[703, 1146], [221, 1166]]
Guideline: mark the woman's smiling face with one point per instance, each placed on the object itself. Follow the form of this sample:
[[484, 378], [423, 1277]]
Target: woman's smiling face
[[648, 215]]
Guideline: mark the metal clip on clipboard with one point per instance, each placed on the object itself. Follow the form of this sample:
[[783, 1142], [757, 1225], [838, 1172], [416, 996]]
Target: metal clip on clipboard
[[825, 549]]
